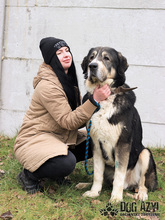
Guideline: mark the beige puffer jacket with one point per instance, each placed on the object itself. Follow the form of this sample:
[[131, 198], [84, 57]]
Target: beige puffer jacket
[[49, 125]]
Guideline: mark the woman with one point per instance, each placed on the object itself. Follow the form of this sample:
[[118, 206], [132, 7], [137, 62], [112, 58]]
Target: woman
[[49, 144]]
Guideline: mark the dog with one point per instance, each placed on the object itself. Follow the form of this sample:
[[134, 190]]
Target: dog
[[119, 156]]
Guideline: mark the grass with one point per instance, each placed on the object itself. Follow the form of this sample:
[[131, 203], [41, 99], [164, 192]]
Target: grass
[[66, 202]]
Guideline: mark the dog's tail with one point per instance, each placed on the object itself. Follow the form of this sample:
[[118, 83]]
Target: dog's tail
[[151, 176]]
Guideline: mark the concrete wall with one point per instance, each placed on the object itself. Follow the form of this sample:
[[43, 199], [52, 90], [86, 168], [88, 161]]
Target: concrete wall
[[135, 28]]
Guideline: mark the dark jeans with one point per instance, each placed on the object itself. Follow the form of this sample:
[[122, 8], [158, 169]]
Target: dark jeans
[[63, 165]]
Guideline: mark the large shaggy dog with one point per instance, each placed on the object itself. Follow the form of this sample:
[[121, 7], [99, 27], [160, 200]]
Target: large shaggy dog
[[116, 131]]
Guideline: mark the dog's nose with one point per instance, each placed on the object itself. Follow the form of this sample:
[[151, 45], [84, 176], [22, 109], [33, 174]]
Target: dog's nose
[[93, 66]]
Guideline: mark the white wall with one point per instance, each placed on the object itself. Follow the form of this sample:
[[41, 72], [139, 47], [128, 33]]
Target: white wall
[[135, 28]]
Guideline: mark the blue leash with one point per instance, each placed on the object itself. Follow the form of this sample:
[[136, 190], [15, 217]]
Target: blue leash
[[87, 141]]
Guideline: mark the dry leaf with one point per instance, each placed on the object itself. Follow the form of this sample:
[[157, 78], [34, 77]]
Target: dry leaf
[[33, 195], [159, 189], [4, 138], [2, 172], [51, 191], [60, 204], [82, 185], [20, 197], [130, 195], [95, 202], [6, 215], [147, 217]]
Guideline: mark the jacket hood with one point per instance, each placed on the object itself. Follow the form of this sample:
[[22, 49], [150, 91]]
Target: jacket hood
[[45, 72]]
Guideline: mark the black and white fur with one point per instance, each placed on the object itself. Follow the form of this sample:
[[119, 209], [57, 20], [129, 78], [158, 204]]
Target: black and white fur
[[116, 130]]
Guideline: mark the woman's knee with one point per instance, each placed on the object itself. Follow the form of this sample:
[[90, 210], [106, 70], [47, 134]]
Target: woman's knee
[[55, 167], [63, 165], [68, 164]]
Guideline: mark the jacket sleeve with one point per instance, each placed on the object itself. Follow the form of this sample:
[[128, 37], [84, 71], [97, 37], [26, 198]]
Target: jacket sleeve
[[53, 98]]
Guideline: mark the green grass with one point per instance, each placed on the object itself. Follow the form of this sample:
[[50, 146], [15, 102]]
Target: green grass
[[66, 202]]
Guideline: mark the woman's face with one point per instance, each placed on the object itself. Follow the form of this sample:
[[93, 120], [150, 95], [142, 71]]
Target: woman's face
[[64, 57]]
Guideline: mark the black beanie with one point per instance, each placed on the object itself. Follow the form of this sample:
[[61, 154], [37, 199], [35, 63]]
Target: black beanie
[[48, 47]]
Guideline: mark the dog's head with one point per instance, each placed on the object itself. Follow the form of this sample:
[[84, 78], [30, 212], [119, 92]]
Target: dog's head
[[104, 65]]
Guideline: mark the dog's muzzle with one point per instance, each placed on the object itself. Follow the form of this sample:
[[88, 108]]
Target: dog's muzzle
[[93, 66], [93, 69]]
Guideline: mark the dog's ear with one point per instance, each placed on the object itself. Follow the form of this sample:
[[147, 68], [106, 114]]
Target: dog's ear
[[84, 66], [123, 63]]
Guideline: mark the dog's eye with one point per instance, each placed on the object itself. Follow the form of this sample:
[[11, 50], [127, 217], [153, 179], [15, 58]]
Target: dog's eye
[[106, 58], [91, 57]]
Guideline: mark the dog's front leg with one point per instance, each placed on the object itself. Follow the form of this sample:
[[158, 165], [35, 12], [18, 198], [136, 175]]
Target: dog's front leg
[[121, 163], [99, 167]]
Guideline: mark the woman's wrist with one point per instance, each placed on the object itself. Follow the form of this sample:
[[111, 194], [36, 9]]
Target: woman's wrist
[[94, 102]]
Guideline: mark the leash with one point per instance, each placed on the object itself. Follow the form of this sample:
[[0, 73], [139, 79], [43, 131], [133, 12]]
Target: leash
[[87, 141]]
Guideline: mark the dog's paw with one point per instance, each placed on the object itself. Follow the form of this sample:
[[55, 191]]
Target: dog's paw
[[116, 199], [91, 194], [141, 195]]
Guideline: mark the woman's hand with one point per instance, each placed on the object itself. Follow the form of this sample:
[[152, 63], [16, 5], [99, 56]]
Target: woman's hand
[[101, 93]]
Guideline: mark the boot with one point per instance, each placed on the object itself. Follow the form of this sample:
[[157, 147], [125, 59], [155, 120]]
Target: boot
[[30, 185]]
